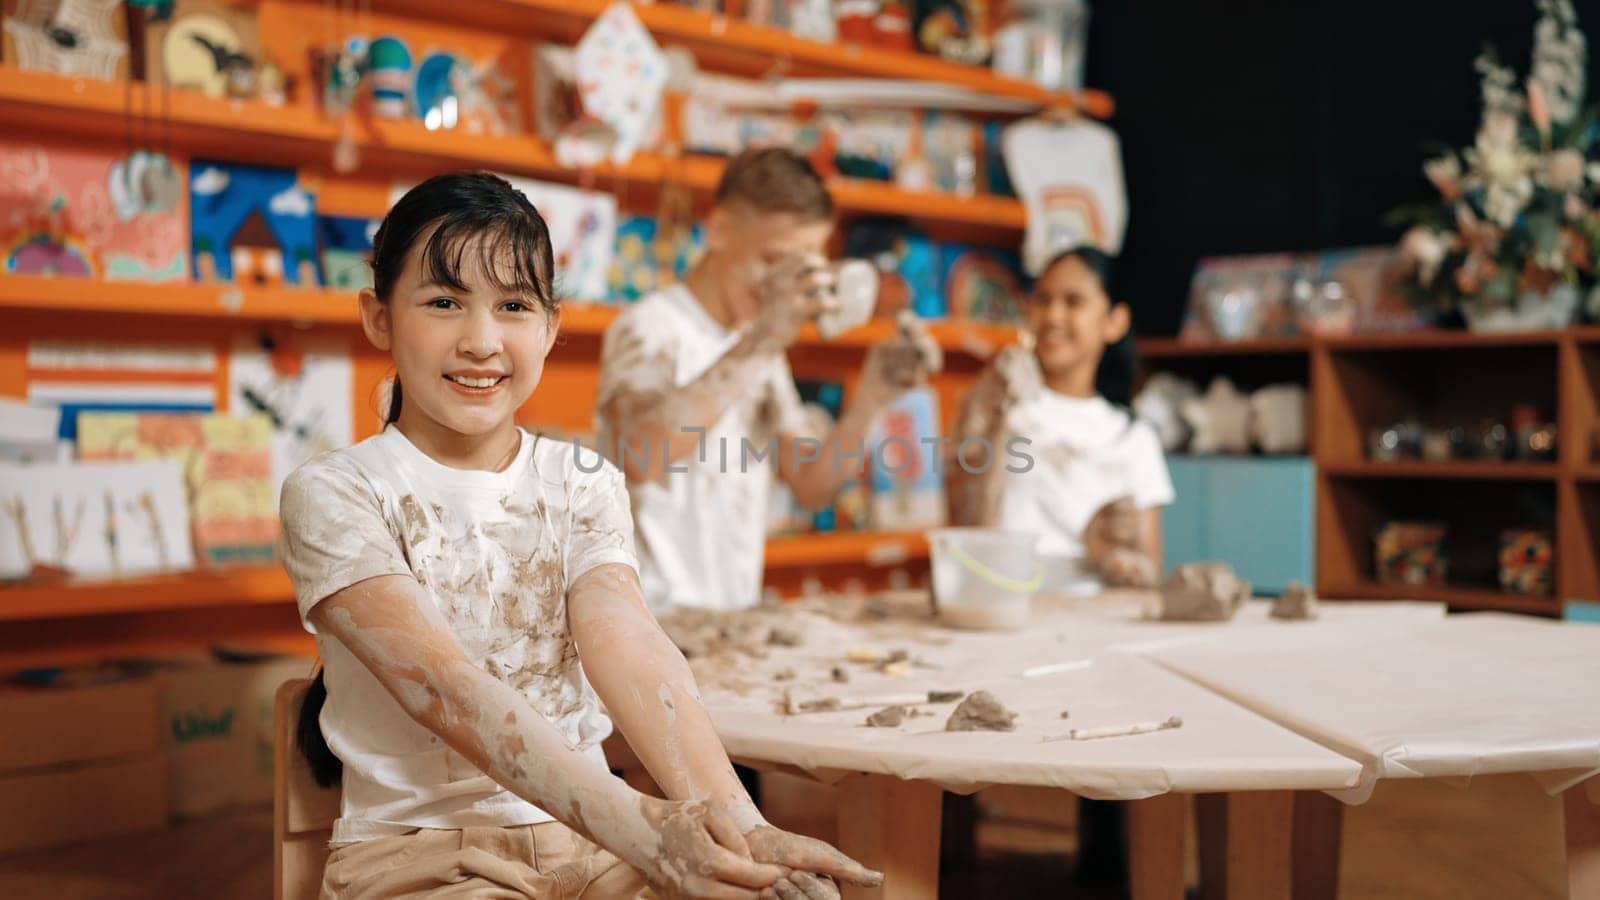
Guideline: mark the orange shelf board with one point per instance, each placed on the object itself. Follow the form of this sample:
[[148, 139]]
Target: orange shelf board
[[298, 135], [1161, 348], [1457, 597], [766, 49], [1441, 339], [1586, 334], [873, 548], [268, 585], [1466, 471], [35, 293], [215, 300], [1589, 473], [241, 586]]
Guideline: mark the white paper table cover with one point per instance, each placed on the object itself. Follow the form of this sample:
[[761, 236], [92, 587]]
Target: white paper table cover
[[1479, 693]]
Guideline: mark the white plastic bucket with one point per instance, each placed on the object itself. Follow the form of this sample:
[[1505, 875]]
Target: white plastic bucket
[[983, 578]]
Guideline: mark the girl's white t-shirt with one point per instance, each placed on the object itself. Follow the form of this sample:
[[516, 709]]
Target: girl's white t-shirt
[[1085, 453], [496, 552]]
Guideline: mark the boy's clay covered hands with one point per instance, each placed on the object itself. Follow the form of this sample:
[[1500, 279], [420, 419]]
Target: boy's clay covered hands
[[794, 291], [812, 865], [699, 852]]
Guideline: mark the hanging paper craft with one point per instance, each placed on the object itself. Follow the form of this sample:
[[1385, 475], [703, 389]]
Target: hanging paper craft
[[982, 284], [205, 46], [227, 466], [389, 68], [60, 215], [252, 225], [346, 248], [1069, 177], [583, 229], [86, 38], [452, 93], [304, 388], [106, 518], [83, 376], [621, 76]]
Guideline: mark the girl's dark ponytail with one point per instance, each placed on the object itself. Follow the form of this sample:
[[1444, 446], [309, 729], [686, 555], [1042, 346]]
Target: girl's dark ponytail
[[326, 769]]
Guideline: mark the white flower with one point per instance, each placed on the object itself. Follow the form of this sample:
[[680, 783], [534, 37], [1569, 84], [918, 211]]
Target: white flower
[[1560, 56], [1426, 250], [1563, 171], [1502, 203]]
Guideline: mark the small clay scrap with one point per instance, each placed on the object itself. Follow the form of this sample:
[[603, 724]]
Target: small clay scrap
[[1298, 604], [981, 712], [1113, 543], [784, 636], [840, 674], [820, 704], [945, 696], [1066, 714], [888, 717], [1201, 592], [783, 675]]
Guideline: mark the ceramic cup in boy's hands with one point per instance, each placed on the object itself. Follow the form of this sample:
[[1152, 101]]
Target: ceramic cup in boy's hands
[[699, 852], [814, 865], [794, 291]]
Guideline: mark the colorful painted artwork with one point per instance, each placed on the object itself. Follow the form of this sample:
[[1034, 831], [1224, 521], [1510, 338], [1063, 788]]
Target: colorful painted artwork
[[583, 230], [623, 74], [227, 467], [907, 478], [252, 225], [982, 284], [303, 387], [643, 262], [88, 376], [346, 251], [85, 38], [64, 211], [1411, 553], [1527, 561]]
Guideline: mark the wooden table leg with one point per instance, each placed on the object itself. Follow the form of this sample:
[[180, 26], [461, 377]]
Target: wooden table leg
[[1156, 828], [1245, 845], [1583, 839], [1318, 835], [892, 826]]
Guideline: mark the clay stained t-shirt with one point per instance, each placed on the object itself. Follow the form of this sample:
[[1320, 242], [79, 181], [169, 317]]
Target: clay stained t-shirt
[[496, 552], [701, 532]]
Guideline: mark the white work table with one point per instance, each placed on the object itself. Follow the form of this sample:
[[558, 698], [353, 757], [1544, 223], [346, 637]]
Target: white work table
[[892, 778], [1481, 693]]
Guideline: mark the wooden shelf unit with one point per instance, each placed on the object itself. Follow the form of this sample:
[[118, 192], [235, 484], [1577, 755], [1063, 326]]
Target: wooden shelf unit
[[298, 135], [83, 621], [1359, 382]]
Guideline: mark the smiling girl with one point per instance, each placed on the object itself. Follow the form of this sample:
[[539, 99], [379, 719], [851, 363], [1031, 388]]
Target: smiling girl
[[474, 594]]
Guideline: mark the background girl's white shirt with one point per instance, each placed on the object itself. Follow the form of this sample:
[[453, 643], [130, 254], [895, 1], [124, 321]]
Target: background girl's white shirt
[[701, 533], [496, 551], [1086, 453]]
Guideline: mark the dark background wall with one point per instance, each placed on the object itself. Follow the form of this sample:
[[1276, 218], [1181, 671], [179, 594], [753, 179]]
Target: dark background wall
[[1253, 126]]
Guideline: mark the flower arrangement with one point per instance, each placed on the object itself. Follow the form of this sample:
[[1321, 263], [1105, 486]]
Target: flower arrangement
[[1516, 236]]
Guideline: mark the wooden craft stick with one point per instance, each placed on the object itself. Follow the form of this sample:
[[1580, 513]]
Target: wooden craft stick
[[795, 706], [1073, 665], [1091, 734]]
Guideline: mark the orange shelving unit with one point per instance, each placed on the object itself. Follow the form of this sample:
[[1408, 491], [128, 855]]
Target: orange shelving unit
[[78, 621]]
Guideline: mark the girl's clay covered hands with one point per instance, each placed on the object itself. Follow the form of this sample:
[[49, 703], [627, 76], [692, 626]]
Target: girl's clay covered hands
[[813, 865]]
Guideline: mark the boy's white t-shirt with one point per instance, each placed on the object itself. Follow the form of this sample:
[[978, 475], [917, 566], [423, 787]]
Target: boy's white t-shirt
[[496, 552], [1086, 453], [701, 533]]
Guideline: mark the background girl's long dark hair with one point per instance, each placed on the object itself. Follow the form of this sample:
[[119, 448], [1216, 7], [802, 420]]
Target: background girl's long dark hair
[[1119, 365], [473, 212]]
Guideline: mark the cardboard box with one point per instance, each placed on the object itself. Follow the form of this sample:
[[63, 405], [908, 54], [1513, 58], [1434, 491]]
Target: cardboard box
[[82, 801], [53, 726], [217, 731]]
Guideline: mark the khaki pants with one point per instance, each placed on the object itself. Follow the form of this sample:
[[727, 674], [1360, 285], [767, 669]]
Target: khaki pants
[[548, 861]]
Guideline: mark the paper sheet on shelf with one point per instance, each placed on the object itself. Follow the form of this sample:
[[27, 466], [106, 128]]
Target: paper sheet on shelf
[[1221, 746], [1474, 694]]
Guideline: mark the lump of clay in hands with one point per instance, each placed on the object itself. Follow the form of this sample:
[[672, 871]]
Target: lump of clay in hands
[[1113, 543], [1298, 604], [981, 712], [1201, 592]]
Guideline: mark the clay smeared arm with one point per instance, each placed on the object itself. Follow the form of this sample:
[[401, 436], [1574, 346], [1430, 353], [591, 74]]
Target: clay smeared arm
[[677, 417], [974, 496], [654, 700], [393, 628]]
